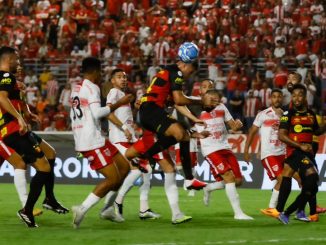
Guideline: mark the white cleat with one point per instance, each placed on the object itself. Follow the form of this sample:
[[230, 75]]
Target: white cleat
[[78, 216], [243, 217], [207, 196], [112, 214], [149, 214], [191, 193]]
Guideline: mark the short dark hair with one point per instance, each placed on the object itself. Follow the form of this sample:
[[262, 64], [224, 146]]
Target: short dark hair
[[214, 92], [276, 90], [207, 79], [299, 86], [116, 71], [298, 75], [91, 64], [5, 50]]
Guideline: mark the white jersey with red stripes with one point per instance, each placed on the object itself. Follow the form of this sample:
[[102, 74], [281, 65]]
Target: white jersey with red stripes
[[215, 121], [124, 114], [268, 122], [86, 128]]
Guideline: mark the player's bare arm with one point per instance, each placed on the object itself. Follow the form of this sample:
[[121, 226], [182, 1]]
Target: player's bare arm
[[252, 132], [235, 125], [187, 113], [7, 105], [181, 99], [283, 136]]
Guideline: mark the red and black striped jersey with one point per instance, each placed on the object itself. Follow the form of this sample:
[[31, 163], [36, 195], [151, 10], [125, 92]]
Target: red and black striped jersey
[[301, 126], [8, 123], [162, 85]]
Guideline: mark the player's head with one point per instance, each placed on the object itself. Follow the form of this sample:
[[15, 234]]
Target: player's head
[[276, 98], [293, 78], [299, 93], [211, 99], [119, 79], [188, 54], [91, 68], [9, 59], [205, 85]]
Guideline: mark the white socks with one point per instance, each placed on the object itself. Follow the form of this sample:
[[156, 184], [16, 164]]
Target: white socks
[[89, 202], [215, 186], [144, 191], [21, 185], [171, 191], [233, 197], [274, 198], [127, 184]]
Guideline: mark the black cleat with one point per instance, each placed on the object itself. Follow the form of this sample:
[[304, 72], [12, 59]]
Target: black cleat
[[54, 206], [28, 219]]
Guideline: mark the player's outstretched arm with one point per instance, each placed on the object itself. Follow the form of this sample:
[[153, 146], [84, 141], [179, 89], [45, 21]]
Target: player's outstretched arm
[[252, 132], [235, 125], [181, 99], [123, 101], [187, 113]]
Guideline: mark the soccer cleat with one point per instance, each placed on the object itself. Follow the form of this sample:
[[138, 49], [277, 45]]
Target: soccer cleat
[[27, 219], [314, 218], [320, 210], [194, 184], [78, 216], [112, 214], [54, 206], [207, 196], [181, 219], [271, 212], [284, 218], [301, 216], [37, 212], [243, 216], [149, 214]]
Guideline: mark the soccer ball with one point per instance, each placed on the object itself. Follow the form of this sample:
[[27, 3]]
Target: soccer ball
[[188, 52]]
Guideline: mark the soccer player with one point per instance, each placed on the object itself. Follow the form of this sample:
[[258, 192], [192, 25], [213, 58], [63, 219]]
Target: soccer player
[[14, 132], [103, 157], [165, 88], [217, 150], [272, 150], [297, 127], [122, 135]]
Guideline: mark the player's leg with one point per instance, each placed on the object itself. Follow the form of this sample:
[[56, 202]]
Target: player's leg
[[171, 191], [285, 187], [50, 202], [114, 173]]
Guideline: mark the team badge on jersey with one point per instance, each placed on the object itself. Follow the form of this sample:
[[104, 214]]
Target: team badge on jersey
[[6, 75]]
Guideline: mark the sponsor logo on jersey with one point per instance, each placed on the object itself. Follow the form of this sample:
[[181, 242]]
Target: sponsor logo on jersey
[[305, 161], [5, 80], [6, 75], [179, 73], [298, 128], [284, 119], [179, 80]]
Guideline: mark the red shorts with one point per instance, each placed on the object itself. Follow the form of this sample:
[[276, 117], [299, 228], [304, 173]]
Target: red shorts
[[222, 161], [101, 157], [145, 142], [273, 165], [5, 151]]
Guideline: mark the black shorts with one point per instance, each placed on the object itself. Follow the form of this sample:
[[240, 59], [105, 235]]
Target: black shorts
[[155, 118], [27, 146], [300, 161]]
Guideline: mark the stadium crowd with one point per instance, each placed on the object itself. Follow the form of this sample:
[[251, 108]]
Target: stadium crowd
[[256, 39]]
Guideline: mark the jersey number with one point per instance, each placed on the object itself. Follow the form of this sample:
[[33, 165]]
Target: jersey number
[[78, 113]]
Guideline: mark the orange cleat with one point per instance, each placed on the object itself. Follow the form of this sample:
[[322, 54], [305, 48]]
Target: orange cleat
[[314, 218], [271, 212]]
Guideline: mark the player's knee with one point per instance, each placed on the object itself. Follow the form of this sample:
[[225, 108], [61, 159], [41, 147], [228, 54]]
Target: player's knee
[[228, 177], [238, 181]]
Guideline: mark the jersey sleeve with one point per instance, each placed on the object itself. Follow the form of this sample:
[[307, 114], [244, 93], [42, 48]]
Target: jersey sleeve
[[227, 114], [7, 82], [258, 122], [176, 79], [94, 95], [285, 120], [112, 96]]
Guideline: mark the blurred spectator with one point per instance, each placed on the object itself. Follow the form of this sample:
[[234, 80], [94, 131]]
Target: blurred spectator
[[32, 92], [311, 89], [44, 77], [236, 103], [302, 70], [30, 77], [161, 50], [152, 70], [52, 89], [280, 77], [65, 97], [265, 95], [232, 81], [51, 127], [61, 118], [251, 107]]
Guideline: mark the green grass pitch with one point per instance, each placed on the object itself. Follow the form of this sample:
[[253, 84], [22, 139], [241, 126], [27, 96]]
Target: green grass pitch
[[210, 225]]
